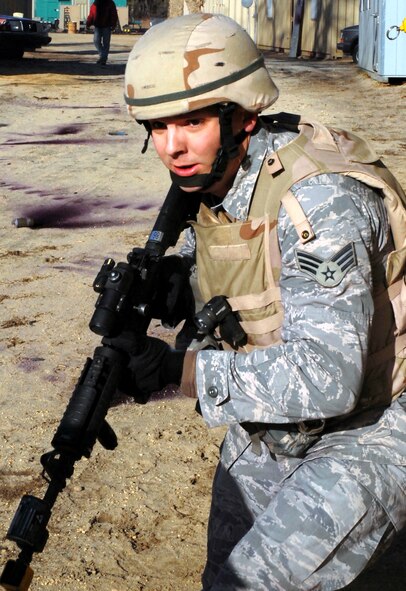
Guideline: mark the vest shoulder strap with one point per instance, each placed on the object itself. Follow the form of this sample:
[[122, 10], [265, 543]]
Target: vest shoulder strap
[[317, 150]]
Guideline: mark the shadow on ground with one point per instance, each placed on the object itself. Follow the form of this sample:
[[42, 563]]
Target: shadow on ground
[[33, 65], [77, 57]]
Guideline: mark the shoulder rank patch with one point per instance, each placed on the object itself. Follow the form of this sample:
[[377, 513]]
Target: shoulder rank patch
[[331, 272]]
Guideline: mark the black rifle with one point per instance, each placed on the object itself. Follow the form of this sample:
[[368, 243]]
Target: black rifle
[[126, 290]]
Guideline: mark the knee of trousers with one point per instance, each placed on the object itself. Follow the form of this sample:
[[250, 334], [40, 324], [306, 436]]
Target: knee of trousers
[[318, 532]]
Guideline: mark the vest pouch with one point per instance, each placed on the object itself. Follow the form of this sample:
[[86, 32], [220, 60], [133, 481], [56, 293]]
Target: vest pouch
[[395, 277], [389, 335], [234, 260]]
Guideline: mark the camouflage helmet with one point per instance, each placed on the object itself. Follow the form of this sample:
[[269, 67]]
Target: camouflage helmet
[[194, 61]]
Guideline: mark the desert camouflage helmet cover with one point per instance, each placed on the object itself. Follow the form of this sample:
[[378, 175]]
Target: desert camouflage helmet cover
[[194, 61]]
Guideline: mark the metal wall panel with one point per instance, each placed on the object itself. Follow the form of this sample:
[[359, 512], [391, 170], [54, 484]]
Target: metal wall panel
[[276, 32], [48, 10], [319, 36], [234, 9]]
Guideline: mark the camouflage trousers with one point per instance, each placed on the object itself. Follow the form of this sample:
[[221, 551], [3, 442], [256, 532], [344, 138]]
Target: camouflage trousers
[[305, 525]]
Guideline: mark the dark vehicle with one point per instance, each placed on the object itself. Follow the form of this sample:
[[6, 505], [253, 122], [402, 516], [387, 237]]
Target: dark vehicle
[[141, 26], [18, 34], [133, 28], [348, 42], [137, 27]]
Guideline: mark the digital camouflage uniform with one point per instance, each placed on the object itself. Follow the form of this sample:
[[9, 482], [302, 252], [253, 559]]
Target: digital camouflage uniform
[[294, 510]]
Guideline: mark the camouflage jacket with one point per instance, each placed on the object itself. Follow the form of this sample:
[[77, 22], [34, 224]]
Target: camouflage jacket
[[317, 371]]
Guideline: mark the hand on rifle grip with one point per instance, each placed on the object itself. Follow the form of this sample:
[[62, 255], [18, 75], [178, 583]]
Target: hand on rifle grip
[[150, 369], [172, 299]]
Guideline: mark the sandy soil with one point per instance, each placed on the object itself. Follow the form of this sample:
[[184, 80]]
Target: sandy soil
[[133, 519]]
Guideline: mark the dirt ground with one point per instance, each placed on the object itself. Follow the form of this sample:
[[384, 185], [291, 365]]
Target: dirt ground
[[133, 519]]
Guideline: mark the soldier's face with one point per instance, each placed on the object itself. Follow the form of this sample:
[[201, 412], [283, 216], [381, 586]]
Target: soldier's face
[[188, 145]]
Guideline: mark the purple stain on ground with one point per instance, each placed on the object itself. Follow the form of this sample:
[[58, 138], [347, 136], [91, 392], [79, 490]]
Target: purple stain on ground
[[53, 379], [15, 187], [63, 130], [46, 194], [79, 269], [74, 214], [145, 206], [86, 141], [71, 211], [68, 129], [29, 364], [55, 216], [79, 266], [114, 108], [84, 263]]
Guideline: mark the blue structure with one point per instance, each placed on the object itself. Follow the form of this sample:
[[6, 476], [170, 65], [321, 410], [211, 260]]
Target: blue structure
[[382, 38], [48, 10]]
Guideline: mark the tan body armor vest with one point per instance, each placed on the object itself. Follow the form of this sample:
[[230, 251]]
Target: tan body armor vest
[[241, 260]]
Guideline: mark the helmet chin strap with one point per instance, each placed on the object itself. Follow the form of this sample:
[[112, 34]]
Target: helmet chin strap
[[204, 181]]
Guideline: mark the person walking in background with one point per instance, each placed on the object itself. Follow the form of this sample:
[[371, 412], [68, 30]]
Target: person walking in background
[[103, 16]]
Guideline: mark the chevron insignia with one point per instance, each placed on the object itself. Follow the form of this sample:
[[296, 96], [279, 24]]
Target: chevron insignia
[[331, 272]]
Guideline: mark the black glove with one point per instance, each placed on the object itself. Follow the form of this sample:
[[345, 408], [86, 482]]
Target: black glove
[[173, 300], [152, 365]]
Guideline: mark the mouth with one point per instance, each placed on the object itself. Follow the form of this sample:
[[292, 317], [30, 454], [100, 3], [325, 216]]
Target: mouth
[[186, 170]]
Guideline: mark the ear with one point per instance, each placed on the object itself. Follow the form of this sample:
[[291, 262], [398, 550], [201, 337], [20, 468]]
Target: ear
[[250, 121]]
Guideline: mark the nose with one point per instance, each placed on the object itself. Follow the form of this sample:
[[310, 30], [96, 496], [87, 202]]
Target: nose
[[175, 143]]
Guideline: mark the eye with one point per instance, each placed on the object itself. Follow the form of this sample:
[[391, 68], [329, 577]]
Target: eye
[[157, 125], [195, 122]]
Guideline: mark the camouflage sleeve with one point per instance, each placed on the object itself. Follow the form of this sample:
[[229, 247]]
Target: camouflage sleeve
[[326, 289], [189, 244]]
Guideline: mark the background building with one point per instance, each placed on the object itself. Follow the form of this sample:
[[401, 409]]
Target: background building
[[312, 25], [300, 27]]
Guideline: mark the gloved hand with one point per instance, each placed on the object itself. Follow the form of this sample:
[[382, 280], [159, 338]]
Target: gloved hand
[[173, 300], [152, 365]]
